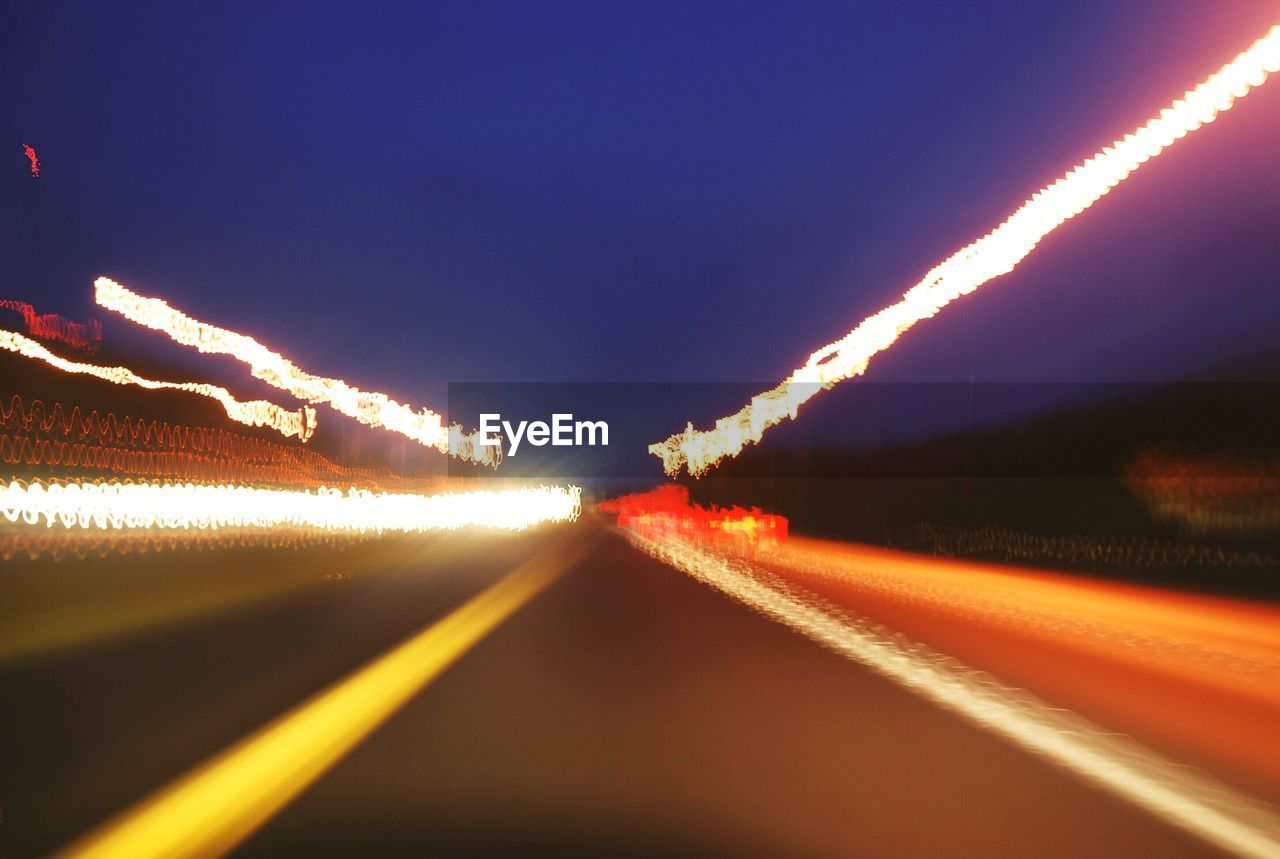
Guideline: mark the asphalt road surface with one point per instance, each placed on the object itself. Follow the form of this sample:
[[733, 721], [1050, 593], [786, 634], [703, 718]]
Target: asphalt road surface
[[628, 710]]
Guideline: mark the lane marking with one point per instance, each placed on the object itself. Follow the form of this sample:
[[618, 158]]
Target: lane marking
[[215, 807]]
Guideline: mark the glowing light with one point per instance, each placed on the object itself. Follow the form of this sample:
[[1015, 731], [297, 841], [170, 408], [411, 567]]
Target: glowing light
[[184, 505], [369, 407], [211, 810], [666, 512], [969, 268], [1225, 491], [30, 152], [72, 437], [51, 326], [255, 413], [1176, 794]]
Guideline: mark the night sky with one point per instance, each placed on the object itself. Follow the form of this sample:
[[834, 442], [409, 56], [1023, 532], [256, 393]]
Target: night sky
[[408, 195]]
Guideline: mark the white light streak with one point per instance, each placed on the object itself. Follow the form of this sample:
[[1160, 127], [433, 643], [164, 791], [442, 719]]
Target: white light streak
[[969, 268], [299, 423], [104, 506], [368, 407]]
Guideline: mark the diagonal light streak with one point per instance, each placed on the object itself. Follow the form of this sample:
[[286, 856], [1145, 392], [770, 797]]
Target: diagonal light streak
[[298, 423], [994, 254], [371, 408]]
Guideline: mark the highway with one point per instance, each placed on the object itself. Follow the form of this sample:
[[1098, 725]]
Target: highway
[[625, 709]]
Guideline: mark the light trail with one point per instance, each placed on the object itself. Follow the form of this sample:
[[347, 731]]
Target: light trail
[[1194, 675], [210, 811], [667, 512], [995, 254], [51, 326], [58, 436], [1177, 795], [299, 423], [368, 407], [102, 506]]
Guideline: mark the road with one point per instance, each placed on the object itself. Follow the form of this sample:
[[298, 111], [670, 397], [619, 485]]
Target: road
[[626, 710]]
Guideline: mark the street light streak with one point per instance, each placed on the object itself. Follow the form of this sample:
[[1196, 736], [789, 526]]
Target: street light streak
[[995, 254], [298, 423], [183, 506], [1178, 795], [371, 408]]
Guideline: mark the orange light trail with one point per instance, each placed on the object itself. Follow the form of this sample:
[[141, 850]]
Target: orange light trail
[[368, 407], [1176, 794], [1156, 663], [299, 423], [101, 506], [992, 255]]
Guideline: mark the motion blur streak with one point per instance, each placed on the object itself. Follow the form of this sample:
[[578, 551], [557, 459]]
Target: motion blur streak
[[183, 506], [1196, 676], [60, 436], [63, 545], [667, 512], [370, 408], [1229, 820], [51, 326], [255, 413], [210, 811], [969, 268]]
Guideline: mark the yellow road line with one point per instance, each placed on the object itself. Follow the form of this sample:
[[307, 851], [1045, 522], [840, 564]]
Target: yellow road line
[[212, 809]]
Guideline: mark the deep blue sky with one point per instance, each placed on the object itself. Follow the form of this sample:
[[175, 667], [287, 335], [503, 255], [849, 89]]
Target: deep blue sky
[[411, 194]]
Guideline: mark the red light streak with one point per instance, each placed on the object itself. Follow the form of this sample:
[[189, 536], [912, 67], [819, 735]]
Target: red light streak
[[30, 152], [666, 512], [85, 336]]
